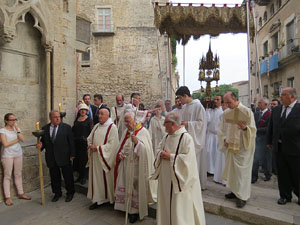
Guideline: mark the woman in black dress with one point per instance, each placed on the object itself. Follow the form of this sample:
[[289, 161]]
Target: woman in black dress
[[81, 130]]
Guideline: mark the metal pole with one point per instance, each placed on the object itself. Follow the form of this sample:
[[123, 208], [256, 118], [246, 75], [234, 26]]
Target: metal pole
[[256, 53], [248, 48], [183, 65]]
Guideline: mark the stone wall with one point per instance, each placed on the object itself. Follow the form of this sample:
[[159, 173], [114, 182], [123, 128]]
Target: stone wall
[[126, 61], [29, 31]]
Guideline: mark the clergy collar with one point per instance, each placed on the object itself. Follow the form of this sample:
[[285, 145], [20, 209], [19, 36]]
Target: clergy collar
[[179, 131], [107, 123]]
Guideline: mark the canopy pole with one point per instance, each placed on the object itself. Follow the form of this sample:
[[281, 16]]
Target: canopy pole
[[183, 65], [256, 53], [248, 48]]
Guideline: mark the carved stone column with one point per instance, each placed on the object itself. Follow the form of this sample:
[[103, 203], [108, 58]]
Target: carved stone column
[[48, 50]]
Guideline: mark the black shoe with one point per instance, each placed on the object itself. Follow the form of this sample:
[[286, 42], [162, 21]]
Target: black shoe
[[94, 206], [82, 181], [230, 196], [267, 178], [69, 197], [253, 180], [283, 201], [55, 198], [240, 203], [133, 218]]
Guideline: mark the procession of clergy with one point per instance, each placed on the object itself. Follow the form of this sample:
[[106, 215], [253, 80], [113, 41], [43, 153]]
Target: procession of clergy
[[134, 167]]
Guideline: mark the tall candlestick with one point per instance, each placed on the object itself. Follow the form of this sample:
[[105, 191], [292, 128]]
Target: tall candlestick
[[59, 107], [37, 126]]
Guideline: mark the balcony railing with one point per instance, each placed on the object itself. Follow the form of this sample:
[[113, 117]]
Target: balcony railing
[[102, 29], [291, 47]]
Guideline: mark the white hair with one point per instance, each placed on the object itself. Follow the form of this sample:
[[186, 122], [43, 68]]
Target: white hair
[[131, 114], [174, 117]]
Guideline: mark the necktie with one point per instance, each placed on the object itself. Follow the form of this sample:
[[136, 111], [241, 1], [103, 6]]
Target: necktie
[[53, 133], [283, 118], [260, 114]]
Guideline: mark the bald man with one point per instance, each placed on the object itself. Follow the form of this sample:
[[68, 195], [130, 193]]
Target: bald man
[[237, 140], [103, 142]]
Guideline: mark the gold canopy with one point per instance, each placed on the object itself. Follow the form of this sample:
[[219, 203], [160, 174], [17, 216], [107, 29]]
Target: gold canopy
[[182, 22]]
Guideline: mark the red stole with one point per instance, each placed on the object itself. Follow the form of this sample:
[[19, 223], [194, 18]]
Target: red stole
[[263, 119], [118, 155]]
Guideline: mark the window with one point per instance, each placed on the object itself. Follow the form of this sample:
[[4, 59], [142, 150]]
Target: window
[[104, 19], [266, 91], [275, 41], [272, 11], [290, 32], [290, 82], [265, 16], [85, 56], [276, 89], [260, 22], [265, 48], [257, 90], [66, 6], [278, 4]]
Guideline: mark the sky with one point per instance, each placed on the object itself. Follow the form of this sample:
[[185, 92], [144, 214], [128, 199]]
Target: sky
[[231, 48]]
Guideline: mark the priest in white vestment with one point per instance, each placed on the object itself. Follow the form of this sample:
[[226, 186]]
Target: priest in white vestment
[[194, 119], [237, 139], [156, 128], [134, 164], [103, 145], [179, 198], [116, 113], [219, 155]]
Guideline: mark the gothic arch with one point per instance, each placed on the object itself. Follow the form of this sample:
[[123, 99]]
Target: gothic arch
[[16, 14]]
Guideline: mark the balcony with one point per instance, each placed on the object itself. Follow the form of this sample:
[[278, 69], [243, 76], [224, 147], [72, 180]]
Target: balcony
[[290, 50], [262, 2], [102, 29]]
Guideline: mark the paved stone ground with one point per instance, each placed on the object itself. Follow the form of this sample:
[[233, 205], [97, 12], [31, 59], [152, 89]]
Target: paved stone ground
[[261, 208], [74, 213]]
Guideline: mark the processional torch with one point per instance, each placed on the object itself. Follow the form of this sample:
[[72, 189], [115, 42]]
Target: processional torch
[[38, 134]]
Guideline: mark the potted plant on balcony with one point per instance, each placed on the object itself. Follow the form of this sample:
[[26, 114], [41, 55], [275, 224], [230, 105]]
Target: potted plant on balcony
[[295, 48]]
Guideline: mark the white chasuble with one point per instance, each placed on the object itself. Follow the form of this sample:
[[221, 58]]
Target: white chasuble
[[195, 115], [213, 121], [156, 131], [179, 198], [238, 165], [102, 162], [132, 173], [115, 112]]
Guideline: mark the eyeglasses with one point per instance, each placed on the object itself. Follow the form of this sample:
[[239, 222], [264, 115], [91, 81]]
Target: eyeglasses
[[13, 120]]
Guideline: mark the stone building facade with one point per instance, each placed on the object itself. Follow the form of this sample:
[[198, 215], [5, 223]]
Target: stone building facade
[[126, 54], [37, 69], [242, 86], [278, 39]]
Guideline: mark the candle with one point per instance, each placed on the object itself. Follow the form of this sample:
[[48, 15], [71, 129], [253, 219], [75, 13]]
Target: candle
[[37, 126], [59, 107]]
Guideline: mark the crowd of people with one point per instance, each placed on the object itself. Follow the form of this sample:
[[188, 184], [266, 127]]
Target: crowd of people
[[133, 157]]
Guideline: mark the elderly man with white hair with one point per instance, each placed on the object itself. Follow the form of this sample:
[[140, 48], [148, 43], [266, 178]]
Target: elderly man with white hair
[[179, 198], [134, 164], [262, 154], [102, 146]]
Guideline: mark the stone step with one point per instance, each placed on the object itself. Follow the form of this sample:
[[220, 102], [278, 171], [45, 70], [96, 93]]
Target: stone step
[[261, 208]]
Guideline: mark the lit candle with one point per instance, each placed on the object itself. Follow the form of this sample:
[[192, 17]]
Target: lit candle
[[59, 107], [37, 126]]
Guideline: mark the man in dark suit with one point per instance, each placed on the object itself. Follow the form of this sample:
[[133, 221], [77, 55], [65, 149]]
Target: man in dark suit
[[60, 151], [98, 101], [283, 136], [262, 153], [92, 108]]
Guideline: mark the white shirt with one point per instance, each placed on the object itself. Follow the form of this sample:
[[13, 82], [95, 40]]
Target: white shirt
[[14, 150], [289, 109], [51, 129]]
